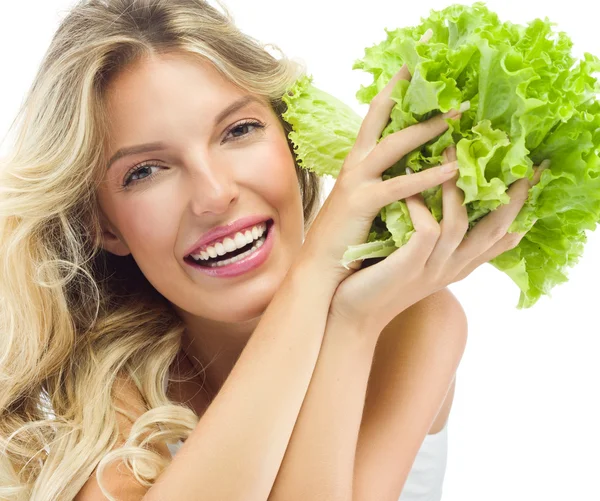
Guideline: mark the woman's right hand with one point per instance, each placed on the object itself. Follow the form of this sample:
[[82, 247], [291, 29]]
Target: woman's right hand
[[359, 192]]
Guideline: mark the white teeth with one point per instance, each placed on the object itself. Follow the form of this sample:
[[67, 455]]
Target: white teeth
[[259, 243], [240, 240], [229, 244]]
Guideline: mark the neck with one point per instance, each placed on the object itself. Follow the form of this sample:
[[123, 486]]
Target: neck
[[214, 347]]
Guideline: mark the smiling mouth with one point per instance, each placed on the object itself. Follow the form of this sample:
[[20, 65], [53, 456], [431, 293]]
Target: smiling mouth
[[211, 262]]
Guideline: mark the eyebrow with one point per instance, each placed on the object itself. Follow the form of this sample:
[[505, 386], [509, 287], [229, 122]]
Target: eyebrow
[[144, 148]]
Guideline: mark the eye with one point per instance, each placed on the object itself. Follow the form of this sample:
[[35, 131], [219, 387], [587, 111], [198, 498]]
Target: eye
[[239, 130], [137, 169]]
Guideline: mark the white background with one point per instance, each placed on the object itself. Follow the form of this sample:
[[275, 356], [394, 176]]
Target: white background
[[524, 424]]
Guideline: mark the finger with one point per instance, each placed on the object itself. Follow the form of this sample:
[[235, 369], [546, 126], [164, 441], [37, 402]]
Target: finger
[[494, 226], [508, 242], [538, 172], [422, 242], [395, 146], [379, 112], [449, 154], [355, 265], [416, 202], [400, 187], [377, 118], [453, 210], [455, 220], [427, 231]]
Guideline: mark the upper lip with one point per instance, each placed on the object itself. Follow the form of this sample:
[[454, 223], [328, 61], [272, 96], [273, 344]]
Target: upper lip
[[221, 231]]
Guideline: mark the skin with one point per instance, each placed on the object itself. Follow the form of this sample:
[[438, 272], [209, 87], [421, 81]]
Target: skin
[[199, 182], [203, 178]]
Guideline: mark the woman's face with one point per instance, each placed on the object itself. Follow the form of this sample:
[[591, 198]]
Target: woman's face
[[209, 170]]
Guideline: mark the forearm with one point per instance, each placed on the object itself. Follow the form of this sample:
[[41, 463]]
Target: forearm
[[415, 363], [238, 445], [319, 461]]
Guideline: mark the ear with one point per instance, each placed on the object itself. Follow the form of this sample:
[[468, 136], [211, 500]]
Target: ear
[[112, 241]]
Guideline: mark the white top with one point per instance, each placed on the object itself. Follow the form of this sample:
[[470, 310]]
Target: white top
[[426, 477]]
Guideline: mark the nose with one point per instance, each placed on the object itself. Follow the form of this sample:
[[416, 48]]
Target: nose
[[212, 187]]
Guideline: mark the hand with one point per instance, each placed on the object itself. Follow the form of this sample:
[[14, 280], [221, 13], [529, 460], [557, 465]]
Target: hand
[[435, 256], [359, 192]]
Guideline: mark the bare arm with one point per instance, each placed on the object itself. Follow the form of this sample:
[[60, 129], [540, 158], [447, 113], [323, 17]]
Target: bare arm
[[414, 357], [319, 461], [414, 365], [237, 447], [236, 450]]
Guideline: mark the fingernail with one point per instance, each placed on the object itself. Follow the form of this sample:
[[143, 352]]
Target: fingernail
[[544, 165], [401, 72], [450, 154], [426, 36], [451, 167], [537, 174], [409, 171], [450, 114], [464, 106]]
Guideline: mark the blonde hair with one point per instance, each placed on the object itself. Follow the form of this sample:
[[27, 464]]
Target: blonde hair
[[74, 319]]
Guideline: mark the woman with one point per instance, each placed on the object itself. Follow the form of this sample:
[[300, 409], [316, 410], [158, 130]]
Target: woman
[[150, 127]]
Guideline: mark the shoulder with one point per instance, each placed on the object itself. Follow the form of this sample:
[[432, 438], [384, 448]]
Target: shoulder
[[130, 405], [441, 307], [434, 327], [414, 363]]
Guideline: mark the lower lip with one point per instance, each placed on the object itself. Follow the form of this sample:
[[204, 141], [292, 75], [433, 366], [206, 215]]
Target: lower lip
[[247, 264]]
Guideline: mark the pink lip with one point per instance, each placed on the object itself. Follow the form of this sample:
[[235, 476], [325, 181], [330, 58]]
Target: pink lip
[[249, 263], [222, 231]]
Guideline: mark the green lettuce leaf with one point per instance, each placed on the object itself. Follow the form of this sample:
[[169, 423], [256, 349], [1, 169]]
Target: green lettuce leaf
[[324, 128], [530, 100]]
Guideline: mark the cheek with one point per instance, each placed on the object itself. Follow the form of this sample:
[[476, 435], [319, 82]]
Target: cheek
[[151, 233], [274, 176], [283, 192], [150, 227]]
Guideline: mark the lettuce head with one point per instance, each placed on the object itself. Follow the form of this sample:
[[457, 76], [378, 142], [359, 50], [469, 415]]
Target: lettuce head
[[530, 100]]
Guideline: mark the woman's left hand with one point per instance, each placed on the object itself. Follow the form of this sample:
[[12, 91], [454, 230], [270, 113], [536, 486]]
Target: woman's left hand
[[435, 256]]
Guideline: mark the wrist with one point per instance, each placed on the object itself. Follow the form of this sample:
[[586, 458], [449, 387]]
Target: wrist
[[364, 334], [306, 272]]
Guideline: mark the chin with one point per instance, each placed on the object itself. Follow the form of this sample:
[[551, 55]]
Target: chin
[[241, 303], [235, 308], [247, 310]]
